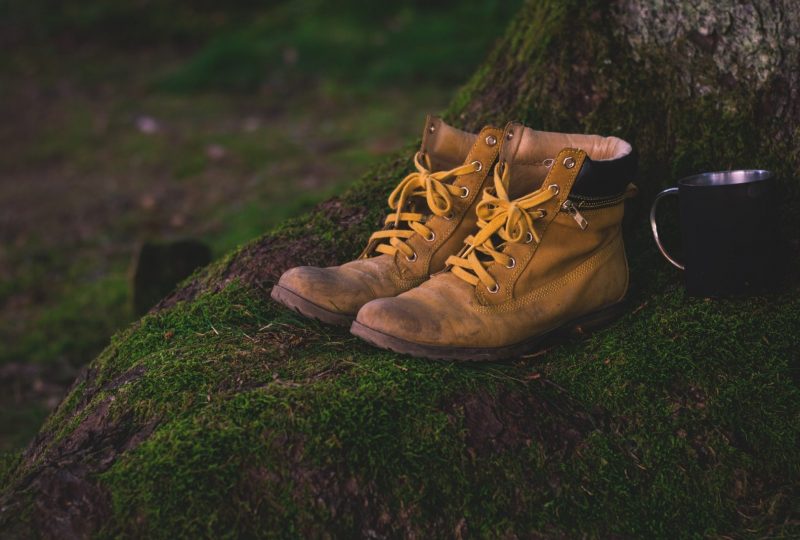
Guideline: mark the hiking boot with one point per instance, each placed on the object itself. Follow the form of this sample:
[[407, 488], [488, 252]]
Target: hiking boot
[[433, 211], [547, 256]]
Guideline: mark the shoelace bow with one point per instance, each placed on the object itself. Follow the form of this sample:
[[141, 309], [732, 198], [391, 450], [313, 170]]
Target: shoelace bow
[[512, 221], [422, 183]]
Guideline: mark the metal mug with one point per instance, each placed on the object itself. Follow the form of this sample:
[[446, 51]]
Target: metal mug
[[727, 231]]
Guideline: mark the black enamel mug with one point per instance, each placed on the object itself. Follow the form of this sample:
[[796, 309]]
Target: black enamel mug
[[727, 231]]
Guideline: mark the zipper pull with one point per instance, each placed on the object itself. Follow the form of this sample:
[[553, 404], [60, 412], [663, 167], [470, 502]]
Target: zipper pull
[[570, 208]]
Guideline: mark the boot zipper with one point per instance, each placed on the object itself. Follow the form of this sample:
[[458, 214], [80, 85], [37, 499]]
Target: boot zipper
[[572, 206], [591, 203], [572, 210], [585, 202]]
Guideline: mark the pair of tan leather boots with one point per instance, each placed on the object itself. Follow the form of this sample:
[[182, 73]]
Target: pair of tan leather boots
[[497, 241]]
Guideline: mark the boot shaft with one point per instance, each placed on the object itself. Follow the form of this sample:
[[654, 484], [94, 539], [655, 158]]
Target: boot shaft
[[530, 154], [445, 145], [584, 180]]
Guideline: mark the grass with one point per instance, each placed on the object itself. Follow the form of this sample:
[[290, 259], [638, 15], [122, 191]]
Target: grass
[[64, 331], [363, 46]]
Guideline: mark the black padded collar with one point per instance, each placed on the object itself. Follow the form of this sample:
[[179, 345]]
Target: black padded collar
[[605, 178]]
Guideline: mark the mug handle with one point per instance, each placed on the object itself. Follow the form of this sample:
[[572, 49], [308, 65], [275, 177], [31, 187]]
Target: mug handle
[[654, 227]]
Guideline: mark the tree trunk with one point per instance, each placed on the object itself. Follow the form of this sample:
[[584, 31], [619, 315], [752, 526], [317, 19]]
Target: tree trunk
[[220, 413]]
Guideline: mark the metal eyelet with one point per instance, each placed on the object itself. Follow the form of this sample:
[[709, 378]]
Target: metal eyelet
[[569, 162], [448, 216], [464, 192], [554, 188], [548, 162], [432, 128], [431, 237], [491, 140], [494, 289], [509, 135], [412, 258], [528, 237], [512, 264], [542, 213], [478, 165]]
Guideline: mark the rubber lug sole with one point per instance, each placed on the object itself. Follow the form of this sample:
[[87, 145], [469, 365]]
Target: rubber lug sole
[[309, 309], [579, 327]]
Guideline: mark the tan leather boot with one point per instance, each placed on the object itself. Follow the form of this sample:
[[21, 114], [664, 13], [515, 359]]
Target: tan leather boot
[[547, 255], [433, 210]]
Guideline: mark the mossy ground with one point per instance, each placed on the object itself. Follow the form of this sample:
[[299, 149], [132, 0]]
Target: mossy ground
[[680, 419]]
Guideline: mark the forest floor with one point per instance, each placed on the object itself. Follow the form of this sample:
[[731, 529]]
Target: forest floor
[[122, 126]]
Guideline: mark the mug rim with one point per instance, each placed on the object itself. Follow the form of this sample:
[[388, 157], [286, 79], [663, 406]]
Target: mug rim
[[726, 178]]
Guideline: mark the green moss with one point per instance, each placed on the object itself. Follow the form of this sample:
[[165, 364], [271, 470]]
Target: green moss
[[694, 395], [530, 36]]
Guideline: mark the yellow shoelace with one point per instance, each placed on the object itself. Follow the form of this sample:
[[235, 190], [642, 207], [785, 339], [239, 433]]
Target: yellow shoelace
[[511, 221], [438, 195]]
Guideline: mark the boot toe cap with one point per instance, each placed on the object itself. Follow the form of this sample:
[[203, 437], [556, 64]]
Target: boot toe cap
[[401, 318], [326, 288]]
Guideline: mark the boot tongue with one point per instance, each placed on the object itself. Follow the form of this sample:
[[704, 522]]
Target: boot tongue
[[446, 146], [528, 154]]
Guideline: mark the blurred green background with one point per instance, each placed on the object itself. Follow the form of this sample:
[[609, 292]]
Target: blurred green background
[[126, 121]]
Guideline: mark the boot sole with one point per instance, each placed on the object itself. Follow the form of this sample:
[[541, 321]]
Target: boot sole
[[579, 327], [309, 309]]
